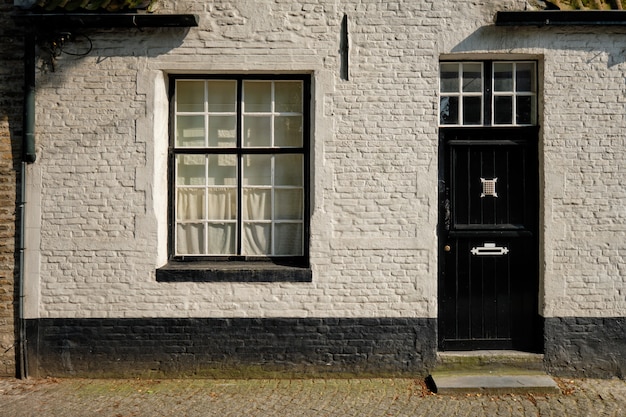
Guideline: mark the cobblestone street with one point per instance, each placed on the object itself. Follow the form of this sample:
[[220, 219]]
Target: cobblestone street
[[301, 398]]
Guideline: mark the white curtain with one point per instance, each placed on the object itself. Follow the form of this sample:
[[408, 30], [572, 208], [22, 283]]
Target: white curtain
[[257, 235], [221, 214], [189, 207], [207, 221]]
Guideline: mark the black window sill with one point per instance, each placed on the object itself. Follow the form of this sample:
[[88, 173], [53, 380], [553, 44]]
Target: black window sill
[[176, 271]]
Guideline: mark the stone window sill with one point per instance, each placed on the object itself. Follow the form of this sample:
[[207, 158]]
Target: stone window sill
[[177, 271]]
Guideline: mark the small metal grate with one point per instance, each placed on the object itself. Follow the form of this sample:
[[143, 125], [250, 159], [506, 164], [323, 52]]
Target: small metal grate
[[489, 187]]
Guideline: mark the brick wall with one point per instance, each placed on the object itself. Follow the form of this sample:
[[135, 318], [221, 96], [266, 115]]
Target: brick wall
[[11, 81], [375, 158], [102, 143]]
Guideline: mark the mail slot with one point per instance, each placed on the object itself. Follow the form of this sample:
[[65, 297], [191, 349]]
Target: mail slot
[[489, 249]]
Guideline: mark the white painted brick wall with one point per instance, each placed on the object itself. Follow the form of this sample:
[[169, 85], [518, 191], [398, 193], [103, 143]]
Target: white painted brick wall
[[102, 143]]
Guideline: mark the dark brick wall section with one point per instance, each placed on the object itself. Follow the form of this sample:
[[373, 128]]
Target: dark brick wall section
[[231, 347], [11, 99], [586, 347]]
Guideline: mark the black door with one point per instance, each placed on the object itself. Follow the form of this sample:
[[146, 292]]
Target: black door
[[488, 287]]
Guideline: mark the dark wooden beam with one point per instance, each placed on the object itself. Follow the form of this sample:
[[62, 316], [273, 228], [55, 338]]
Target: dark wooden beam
[[104, 20], [562, 18]]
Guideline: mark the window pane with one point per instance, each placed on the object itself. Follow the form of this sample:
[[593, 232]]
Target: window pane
[[222, 204], [524, 110], [525, 77], [221, 239], [288, 131], [257, 131], [190, 169], [288, 239], [257, 204], [472, 78], [449, 111], [472, 111], [503, 77], [503, 110], [190, 96], [190, 204], [222, 96], [222, 131], [257, 96], [256, 239], [289, 170], [222, 170], [288, 97], [257, 170], [449, 78], [190, 239], [289, 204], [190, 131]]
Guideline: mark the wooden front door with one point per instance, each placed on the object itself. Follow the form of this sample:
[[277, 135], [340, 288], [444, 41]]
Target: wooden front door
[[488, 286]]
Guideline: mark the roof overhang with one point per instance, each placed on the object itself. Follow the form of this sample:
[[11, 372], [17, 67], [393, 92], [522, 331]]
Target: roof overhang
[[562, 18], [104, 20]]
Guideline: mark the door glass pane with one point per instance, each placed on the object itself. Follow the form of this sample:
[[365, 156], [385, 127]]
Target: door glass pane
[[288, 239], [257, 170], [190, 239], [472, 110], [190, 169], [222, 170], [257, 96], [472, 78], [289, 204], [503, 77], [190, 204], [503, 110], [449, 78], [289, 170], [257, 204], [190, 96], [257, 131], [190, 131], [222, 203], [449, 110], [524, 110], [222, 96], [221, 239], [256, 239], [288, 96], [525, 77], [288, 131], [222, 131]]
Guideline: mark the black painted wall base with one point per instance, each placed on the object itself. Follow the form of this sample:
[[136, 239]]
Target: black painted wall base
[[291, 347], [586, 347], [231, 347]]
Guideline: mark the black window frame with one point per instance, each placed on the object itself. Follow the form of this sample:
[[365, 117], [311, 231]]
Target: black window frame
[[239, 267], [488, 94]]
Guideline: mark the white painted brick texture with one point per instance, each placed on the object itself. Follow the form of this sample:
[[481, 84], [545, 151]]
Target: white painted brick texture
[[374, 160]]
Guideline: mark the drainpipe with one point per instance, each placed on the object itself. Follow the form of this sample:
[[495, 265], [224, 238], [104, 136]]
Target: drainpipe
[[28, 145], [28, 156]]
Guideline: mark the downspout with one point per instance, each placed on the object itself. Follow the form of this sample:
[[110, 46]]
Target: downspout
[[28, 156]]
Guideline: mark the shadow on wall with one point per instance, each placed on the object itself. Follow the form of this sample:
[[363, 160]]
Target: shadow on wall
[[520, 39], [60, 50]]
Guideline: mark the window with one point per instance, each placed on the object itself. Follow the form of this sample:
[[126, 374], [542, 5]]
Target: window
[[491, 93], [240, 157]]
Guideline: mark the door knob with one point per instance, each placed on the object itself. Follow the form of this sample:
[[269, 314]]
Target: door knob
[[447, 248]]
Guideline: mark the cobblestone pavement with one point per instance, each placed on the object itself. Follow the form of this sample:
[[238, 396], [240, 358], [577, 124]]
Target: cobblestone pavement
[[301, 398]]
